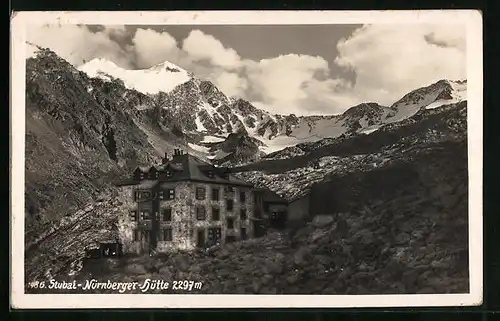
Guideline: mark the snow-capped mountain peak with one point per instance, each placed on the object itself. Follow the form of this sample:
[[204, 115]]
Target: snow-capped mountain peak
[[442, 92], [162, 77]]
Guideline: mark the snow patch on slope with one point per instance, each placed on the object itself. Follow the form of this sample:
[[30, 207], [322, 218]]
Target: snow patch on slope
[[199, 148], [163, 77], [458, 94], [212, 139], [199, 124]]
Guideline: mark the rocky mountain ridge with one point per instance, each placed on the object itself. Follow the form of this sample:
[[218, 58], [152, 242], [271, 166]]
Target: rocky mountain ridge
[[196, 109]]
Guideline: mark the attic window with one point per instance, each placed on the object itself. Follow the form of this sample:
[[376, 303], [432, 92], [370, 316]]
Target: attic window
[[210, 174], [168, 173]]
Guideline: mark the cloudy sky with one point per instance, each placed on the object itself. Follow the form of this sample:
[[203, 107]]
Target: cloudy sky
[[301, 69]]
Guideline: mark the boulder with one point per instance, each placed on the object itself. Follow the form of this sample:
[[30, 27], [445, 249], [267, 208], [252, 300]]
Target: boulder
[[322, 220]]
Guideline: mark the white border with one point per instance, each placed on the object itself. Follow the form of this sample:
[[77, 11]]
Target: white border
[[472, 19]]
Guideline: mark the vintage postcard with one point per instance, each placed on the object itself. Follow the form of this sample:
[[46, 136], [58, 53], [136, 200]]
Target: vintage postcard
[[259, 159]]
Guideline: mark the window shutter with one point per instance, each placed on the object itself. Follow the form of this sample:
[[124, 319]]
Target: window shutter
[[215, 214], [200, 193], [215, 194], [167, 214], [200, 213]]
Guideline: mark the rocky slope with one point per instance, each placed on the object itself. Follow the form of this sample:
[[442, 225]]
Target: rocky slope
[[292, 177], [405, 238]]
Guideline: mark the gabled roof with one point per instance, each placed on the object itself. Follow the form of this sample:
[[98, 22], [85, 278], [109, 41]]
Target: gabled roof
[[187, 167]]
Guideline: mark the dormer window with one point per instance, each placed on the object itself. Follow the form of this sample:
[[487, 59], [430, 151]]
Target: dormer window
[[210, 174]]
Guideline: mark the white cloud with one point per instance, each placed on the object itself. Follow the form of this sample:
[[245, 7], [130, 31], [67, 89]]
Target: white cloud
[[391, 60], [151, 47], [200, 46], [77, 44], [286, 83], [388, 61], [118, 31], [231, 83]]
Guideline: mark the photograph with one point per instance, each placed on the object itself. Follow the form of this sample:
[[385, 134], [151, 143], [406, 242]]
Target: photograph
[[259, 159]]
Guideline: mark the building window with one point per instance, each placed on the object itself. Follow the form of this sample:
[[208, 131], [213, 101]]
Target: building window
[[243, 197], [142, 195], [230, 239], [133, 216], [215, 214], [145, 215], [243, 214], [215, 194], [201, 213], [230, 222], [166, 214], [229, 190], [168, 194], [229, 205], [257, 213], [200, 193], [210, 174], [165, 235], [243, 233], [137, 235], [168, 173]]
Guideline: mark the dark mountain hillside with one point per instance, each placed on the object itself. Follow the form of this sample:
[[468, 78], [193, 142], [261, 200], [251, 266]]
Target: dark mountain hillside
[[79, 136]]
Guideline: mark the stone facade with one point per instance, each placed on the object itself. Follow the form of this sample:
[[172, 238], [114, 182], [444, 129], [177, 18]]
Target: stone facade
[[187, 228]]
